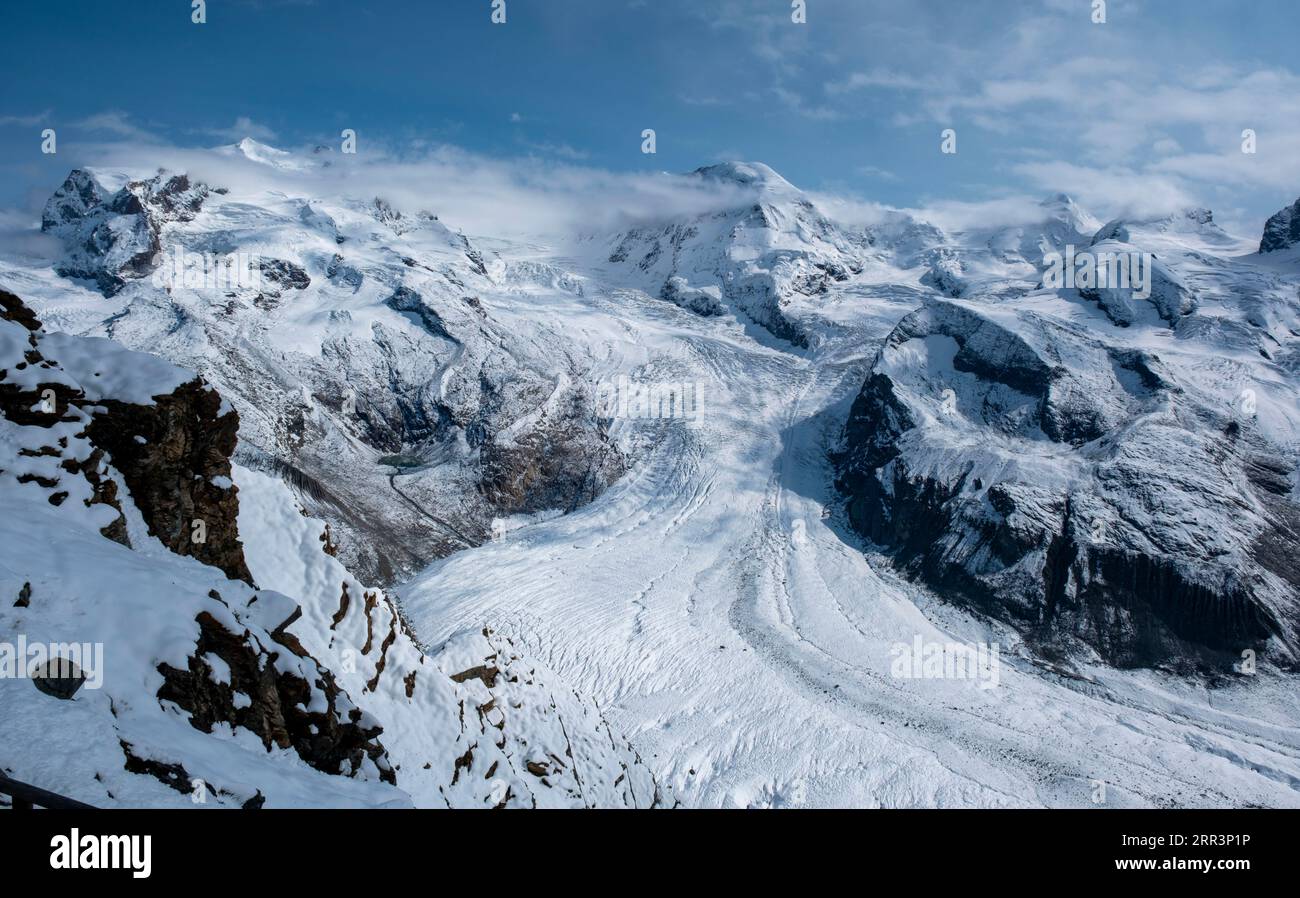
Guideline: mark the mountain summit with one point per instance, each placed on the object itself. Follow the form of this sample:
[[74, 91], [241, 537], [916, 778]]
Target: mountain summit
[[1282, 230]]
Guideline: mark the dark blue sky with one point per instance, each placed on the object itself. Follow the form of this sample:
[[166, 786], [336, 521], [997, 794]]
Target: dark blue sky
[[1145, 109]]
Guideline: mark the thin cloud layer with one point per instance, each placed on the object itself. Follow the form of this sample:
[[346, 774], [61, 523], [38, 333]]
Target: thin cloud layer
[[511, 197]]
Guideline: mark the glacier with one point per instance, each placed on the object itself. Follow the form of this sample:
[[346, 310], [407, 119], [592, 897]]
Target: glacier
[[712, 606]]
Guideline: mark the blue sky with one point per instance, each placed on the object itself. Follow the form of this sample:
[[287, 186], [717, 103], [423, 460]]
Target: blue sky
[[1142, 112]]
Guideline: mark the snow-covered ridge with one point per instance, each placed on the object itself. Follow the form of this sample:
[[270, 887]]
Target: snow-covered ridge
[[367, 332], [208, 690]]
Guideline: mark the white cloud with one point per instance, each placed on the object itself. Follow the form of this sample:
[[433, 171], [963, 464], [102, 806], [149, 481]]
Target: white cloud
[[243, 127], [1119, 191], [25, 121], [116, 123], [509, 197]]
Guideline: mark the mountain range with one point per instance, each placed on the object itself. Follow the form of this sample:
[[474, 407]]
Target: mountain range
[[353, 527]]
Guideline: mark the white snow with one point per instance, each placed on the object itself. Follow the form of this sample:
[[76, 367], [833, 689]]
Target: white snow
[[712, 608]]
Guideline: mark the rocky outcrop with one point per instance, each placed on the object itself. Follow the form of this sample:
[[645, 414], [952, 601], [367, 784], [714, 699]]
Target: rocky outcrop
[[173, 452], [553, 466], [175, 457], [284, 275], [297, 706], [705, 301], [1282, 230]]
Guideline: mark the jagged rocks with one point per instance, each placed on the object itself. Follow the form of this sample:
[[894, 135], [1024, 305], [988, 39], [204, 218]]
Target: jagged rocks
[[172, 449], [296, 705], [285, 275], [113, 238], [175, 458], [1282, 230]]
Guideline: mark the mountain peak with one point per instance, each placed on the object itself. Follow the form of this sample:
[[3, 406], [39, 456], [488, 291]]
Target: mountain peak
[[256, 151], [745, 174]]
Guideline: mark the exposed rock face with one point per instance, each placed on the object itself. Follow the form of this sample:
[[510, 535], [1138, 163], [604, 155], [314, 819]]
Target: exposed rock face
[[552, 466], [285, 275], [175, 458], [1072, 489], [282, 706], [1282, 230], [702, 301]]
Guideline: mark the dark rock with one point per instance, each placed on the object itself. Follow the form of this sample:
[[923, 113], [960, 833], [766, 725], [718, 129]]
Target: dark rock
[[58, 677], [1282, 230], [283, 274], [188, 443], [334, 740]]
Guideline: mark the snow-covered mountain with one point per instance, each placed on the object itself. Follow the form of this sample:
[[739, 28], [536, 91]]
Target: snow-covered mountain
[[906, 433], [239, 664], [1282, 230], [1106, 470], [771, 257], [361, 345]]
